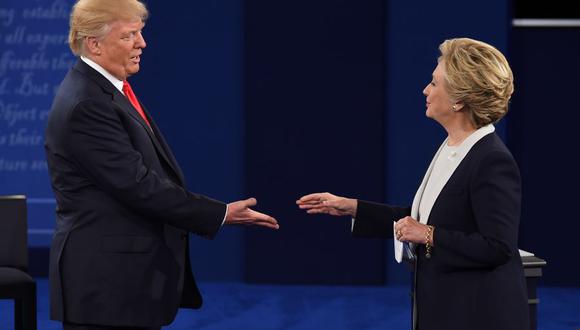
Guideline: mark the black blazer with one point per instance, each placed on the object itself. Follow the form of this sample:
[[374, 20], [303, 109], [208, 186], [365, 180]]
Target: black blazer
[[119, 255], [474, 278]]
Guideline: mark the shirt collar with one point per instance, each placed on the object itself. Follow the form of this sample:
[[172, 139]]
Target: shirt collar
[[116, 82], [472, 139]]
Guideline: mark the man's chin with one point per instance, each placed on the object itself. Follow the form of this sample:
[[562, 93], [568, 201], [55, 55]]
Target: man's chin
[[132, 70]]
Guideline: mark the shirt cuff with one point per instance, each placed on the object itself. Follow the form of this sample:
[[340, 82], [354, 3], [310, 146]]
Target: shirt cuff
[[225, 215]]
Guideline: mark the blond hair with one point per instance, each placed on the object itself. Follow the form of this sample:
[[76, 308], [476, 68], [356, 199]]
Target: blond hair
[[479, 76], [93, 18]]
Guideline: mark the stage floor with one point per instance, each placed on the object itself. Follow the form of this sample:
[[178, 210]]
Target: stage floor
[[249, 306]]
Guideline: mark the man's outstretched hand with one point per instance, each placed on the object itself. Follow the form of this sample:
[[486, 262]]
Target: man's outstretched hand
[[240, 213]]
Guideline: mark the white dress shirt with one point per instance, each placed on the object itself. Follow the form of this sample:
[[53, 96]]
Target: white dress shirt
[[116, 82]]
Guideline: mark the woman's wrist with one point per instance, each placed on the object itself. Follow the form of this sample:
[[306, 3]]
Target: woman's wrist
[[429, 241], [431, 237]]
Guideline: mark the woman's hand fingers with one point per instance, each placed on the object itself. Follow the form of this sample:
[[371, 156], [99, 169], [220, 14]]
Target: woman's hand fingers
[[410, 230]]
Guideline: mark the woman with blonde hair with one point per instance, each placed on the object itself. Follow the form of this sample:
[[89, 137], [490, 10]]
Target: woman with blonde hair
[[461, 231]]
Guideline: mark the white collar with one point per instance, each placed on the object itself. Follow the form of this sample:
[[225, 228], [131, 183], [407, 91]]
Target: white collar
[[472, 139], [461, 152], [116, 82]]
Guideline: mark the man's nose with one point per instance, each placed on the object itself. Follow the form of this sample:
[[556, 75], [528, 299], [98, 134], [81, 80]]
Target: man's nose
[[140, 41]]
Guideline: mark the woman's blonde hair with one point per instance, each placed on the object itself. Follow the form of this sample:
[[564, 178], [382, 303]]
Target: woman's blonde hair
[[93, 18], [479, 76]]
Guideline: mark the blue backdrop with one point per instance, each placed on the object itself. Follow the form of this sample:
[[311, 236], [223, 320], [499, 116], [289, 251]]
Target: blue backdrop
[[34, 58], [314, 113], [541, 135], [276, 99], [191, 82]]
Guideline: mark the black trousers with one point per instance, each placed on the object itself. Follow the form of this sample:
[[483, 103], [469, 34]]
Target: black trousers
[[72, 326]]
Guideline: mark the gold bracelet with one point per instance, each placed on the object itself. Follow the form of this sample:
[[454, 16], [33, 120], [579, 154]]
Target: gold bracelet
[[428, 236]]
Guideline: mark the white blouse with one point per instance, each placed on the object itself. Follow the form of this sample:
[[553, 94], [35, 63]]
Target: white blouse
[[443, 163]]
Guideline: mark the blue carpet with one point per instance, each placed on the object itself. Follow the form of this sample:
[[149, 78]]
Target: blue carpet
[[256, 307]]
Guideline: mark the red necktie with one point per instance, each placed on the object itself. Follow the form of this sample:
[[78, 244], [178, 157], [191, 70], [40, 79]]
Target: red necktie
[[133, 99]]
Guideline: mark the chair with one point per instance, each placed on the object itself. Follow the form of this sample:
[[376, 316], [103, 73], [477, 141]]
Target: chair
[[15, 283]]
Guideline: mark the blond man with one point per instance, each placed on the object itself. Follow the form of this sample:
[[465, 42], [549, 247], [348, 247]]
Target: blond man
[[119, 255]]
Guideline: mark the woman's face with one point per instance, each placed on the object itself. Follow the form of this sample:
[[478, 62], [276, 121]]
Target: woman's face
[[438, 104]]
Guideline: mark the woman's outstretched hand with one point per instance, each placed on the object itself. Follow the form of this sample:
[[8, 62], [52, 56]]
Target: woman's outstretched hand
[[328, 203]]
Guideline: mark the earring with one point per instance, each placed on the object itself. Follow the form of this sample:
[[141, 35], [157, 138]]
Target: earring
[[454, 107]]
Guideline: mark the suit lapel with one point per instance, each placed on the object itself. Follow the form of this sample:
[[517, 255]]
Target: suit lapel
[[122, 102], [417, 200], [163, 146], [463, 150], [419, 193], [438, 185]]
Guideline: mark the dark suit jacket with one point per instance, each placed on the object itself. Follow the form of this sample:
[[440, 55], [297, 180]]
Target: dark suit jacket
[[474, 278], [119, 254]]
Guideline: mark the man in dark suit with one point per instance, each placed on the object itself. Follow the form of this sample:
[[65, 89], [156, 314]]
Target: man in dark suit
[[119, 256]]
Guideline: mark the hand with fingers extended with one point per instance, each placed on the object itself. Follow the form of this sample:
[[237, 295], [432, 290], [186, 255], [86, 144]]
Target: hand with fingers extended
[[240, 213], [328, 203]]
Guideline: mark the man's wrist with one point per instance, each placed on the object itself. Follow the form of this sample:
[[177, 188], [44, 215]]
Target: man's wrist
[[353, 206]]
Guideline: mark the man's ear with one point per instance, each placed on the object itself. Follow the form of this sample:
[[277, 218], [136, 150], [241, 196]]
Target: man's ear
[[92, 46]]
